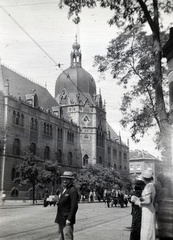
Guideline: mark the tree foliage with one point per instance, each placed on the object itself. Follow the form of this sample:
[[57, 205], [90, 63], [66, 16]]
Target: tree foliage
[[50, 174], [131, 62], [98, 177], [29, 172], [33, 171]]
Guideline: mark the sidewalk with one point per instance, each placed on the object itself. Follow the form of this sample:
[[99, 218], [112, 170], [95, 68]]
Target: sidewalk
[[19, 203]]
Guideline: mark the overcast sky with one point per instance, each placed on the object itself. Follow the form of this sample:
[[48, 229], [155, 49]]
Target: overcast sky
[[36, 34]]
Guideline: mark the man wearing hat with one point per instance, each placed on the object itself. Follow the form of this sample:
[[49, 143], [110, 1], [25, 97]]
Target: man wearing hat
[[67, 208]]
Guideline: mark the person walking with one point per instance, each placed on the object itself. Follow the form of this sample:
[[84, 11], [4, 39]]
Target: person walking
[[136, 210], [146, 202], [3, 197], [67, 208]]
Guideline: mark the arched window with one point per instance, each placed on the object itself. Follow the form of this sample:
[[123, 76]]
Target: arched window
[[70, 158], [115, 166], [85, 160], [14, 192], [46, 153], [13, 174], [16, 146], [59, 156], [33, 148]]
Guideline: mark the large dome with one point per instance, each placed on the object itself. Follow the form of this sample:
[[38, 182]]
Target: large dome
[[75, 79]]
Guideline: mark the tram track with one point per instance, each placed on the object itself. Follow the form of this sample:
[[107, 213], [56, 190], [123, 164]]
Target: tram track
[[84, 223]]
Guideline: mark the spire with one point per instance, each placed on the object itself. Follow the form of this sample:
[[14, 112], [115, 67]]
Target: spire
[[76, 54]]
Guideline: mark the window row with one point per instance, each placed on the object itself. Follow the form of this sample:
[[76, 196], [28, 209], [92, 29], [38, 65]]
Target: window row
[[32, 148], [18, 118], [47, 129], [115, 153], [70, 137]]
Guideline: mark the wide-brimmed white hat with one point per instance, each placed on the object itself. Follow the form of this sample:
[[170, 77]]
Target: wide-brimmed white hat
[[67, 174], [147, 174]]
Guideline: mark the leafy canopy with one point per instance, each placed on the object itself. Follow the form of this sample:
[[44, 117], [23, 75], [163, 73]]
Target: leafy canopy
[[130, 61]]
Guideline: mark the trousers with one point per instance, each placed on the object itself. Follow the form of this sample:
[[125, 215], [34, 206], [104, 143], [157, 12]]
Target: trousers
[[65, 232]]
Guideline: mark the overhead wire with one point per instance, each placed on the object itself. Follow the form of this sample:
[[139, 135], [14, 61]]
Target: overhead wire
[[32, 39]]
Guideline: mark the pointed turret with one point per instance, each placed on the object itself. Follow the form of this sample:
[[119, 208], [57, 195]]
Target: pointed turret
[[76, 55]]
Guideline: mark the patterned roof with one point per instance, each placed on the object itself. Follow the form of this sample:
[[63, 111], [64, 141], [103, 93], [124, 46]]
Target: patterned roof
[[21, 86], [141, 155]]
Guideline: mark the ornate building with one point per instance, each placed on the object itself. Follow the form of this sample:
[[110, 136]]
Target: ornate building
[[71, 128]]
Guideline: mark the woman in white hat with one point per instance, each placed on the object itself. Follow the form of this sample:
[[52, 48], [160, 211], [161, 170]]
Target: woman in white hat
[[148, 224]]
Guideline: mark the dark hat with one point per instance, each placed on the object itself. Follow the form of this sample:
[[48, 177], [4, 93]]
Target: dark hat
[[67, 174], [139, 181]]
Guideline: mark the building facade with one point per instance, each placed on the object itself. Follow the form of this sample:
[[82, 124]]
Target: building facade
[[70, 128], [140, 160]]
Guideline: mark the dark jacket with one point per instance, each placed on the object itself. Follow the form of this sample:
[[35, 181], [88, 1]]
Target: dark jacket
[[67, 206]]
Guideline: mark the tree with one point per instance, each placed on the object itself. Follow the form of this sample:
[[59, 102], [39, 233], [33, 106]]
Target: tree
[[29, 172], [130, 60], [127, 14], [50, 174], [98, 178]]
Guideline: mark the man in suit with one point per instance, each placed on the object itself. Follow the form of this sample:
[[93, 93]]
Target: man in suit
[[67, 208]]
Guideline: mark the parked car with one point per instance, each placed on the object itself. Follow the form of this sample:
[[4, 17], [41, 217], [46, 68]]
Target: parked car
[[52, 200]]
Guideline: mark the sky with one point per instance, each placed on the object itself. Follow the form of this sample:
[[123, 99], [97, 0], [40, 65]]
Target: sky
[[36, 35]]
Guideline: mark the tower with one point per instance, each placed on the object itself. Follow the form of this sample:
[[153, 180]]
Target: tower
[[75, 92]]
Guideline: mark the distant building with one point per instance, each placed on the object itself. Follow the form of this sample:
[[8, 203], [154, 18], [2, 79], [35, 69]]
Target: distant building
[[140, 160], [70, 129]]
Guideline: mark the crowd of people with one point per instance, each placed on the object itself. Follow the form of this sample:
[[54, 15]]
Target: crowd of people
[[116, 198]]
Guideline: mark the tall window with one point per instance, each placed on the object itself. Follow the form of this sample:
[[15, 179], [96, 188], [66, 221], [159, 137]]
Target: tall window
[[99, 160], [13, 174], [70, 158], [18, 119], [33, 148], [34, 124], [22, 120], [100, 137], [16, 146], [59, 156], [46, 153], [60, 133], [85, 160], [70, 137]]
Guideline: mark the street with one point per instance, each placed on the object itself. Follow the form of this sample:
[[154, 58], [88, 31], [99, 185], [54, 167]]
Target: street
[[25, 221]]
